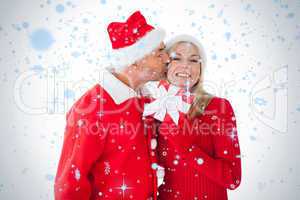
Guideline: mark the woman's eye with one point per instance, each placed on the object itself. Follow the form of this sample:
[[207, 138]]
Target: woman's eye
[[175, 58], [195, 61]]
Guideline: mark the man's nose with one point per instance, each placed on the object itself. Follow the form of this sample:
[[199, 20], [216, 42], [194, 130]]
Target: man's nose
[[165, 57]]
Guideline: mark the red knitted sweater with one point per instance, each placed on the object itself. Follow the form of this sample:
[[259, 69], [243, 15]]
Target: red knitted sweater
[[201, 157], [105, 153]]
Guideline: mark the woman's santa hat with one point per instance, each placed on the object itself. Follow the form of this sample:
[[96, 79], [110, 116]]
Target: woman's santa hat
[[132, 40]]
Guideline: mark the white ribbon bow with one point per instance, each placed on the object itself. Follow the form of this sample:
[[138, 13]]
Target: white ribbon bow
[[166, 102]]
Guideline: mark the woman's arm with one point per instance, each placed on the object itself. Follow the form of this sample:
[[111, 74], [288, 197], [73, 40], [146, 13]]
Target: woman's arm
[[225, 166]]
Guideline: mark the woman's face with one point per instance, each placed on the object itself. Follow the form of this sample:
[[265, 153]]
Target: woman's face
[[184, 68]]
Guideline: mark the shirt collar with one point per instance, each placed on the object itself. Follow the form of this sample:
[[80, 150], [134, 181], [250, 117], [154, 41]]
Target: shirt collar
[[118, 90]]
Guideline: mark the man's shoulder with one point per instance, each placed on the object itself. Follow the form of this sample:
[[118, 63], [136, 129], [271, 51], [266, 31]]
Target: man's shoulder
[[91, 99], [97, 91]]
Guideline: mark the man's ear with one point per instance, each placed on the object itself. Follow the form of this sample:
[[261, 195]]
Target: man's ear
[[138, 66], [134, 65]]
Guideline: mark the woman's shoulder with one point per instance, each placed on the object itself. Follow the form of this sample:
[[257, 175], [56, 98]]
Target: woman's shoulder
[[219, 100], [219, 105]]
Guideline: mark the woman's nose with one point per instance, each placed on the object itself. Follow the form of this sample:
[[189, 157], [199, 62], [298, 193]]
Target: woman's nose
[[184, 64]]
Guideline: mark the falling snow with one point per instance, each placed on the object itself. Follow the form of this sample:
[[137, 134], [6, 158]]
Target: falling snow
[[246, 42]]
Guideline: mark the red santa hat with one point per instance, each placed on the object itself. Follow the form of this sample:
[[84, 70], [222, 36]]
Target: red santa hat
[[132, 40]]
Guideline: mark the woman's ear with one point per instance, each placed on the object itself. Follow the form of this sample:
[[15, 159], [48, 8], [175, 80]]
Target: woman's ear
[[200, 68]]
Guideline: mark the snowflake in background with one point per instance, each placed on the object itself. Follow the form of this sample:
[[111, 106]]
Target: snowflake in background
[[106, 168], [123, 187], [77, 174]]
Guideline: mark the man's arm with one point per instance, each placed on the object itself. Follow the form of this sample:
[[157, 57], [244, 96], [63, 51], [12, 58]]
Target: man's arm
[[83, 144]]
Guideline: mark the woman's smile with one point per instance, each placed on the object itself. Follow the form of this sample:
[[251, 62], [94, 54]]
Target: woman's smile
[[184, 75]]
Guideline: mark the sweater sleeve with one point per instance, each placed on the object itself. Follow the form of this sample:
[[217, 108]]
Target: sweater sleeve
[[83, 144], [225, 166]]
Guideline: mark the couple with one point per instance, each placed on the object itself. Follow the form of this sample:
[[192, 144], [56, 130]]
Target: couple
[[111, 151]]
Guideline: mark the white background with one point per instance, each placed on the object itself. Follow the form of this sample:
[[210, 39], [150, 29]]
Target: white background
[[51, 51]]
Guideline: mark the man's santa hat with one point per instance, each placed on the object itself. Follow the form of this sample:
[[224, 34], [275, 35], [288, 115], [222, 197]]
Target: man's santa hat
[[132, 40]]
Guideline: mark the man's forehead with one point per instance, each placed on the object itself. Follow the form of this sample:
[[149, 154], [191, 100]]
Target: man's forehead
[[162, 45]]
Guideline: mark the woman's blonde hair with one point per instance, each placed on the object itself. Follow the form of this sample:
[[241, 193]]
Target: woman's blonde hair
[[202, 98]]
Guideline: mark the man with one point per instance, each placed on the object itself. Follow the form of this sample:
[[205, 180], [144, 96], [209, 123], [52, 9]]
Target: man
[[106, 153]]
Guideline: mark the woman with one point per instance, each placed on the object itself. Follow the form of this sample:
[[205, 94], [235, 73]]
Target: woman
[[200, 154]]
